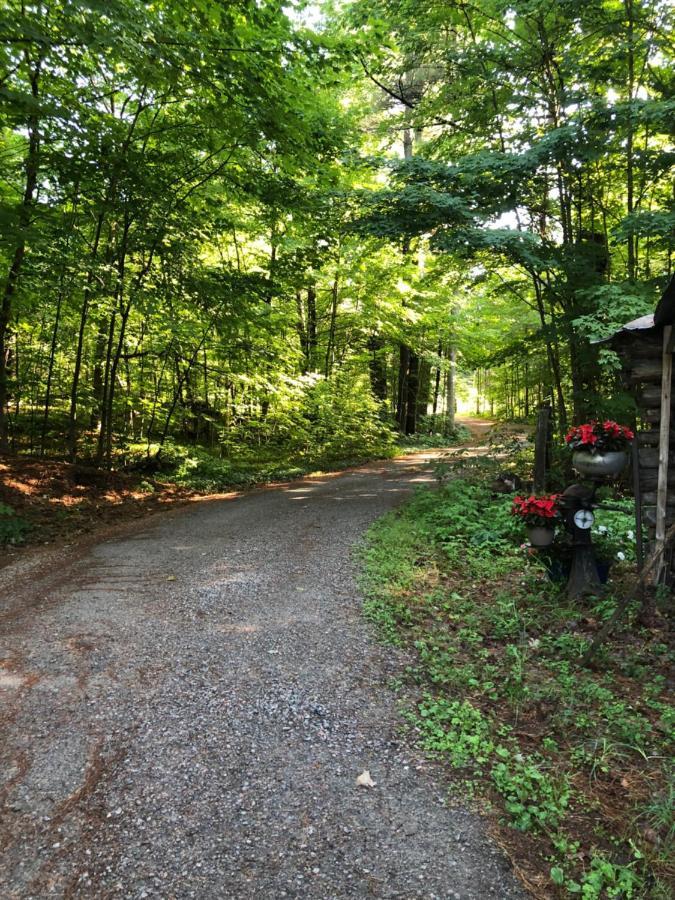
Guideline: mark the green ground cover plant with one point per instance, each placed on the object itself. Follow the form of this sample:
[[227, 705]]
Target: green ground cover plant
[[573, 761], [13, 527], [198, 469]]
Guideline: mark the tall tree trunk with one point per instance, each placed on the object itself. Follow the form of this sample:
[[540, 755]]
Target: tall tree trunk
[[408, 376], [334, 298], [423, 390], [84, 317], [106, 381], [412, 393], [552, 354], [301, 328], [11, 283], [377, 366], [527, 389], [437, 380], [630, 178], [311, 326], [55, 330], [50, 371], [450, 392], [402, 389]]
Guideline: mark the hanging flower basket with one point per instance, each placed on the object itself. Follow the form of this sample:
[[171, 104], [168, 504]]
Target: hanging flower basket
[[539, 515], [600, 449]]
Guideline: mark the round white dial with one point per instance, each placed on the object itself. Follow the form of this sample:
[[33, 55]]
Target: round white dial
[[583, 518]]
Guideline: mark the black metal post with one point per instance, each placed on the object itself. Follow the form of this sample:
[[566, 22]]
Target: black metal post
[[584, 578]]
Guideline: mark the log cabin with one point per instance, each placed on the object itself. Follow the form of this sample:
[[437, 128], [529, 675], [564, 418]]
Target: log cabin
[[645, 347]]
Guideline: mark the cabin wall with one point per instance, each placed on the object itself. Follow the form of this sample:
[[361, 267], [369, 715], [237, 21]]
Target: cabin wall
[[641, 355]]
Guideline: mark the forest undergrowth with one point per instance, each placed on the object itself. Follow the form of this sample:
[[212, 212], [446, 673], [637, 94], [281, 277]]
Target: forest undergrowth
[[47, 500], [572, 764]]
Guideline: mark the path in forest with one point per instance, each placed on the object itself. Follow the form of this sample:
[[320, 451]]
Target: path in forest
[[187, 706], [479, 427]]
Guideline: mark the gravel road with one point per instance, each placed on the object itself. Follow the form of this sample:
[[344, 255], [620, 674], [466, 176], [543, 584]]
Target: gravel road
[[186, 708]]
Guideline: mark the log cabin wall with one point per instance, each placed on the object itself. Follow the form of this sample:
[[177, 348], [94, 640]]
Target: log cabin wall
[[641, 354]]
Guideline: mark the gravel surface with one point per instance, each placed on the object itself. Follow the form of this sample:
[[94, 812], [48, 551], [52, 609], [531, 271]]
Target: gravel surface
[[187, 707]]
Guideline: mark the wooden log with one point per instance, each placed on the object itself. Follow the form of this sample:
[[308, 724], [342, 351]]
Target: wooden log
[[649, 479], [650, 438], [649, 515], [649, 396], [647, 344], [650, 415], [645, 370], [649, 457]]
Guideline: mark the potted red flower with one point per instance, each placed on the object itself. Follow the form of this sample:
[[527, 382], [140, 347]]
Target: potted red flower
[[540, 515], [599, 448]]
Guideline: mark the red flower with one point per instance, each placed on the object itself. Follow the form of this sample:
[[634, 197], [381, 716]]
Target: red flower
[[587, 434], [535, 509], [599, 437]]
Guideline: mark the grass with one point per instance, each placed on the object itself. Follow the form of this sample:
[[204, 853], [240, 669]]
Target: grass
[[574, 762]]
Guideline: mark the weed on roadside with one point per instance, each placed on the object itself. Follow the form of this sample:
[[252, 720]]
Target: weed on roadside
[[575, 761]]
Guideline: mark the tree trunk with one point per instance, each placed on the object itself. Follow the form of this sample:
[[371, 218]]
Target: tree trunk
[[377, 366], [84, 316], [437, 381], [402, 393], [412, 391], [423, 391], [27, 203], [552, 354], [106, 381], [335, 294], [630, 187], [450, 392], [311, 326]]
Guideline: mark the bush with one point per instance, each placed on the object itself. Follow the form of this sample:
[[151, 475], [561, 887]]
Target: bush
[[12, 527], [344, 419]]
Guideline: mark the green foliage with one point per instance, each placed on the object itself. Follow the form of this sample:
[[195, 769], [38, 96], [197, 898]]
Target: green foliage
[[498, 650], [518, 194], [429, 436], [457, 515], [531, 797], [12, 527], [455, 728], [614, 532], [344, 419]]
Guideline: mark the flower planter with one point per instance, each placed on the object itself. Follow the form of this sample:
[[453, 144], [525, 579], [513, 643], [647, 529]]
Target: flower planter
[[600, 465], [540, 536]]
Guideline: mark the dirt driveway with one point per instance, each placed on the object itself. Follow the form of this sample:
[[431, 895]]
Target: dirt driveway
[[186, 708]]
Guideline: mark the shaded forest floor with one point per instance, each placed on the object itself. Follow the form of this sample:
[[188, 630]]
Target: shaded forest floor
[[52, 502]]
